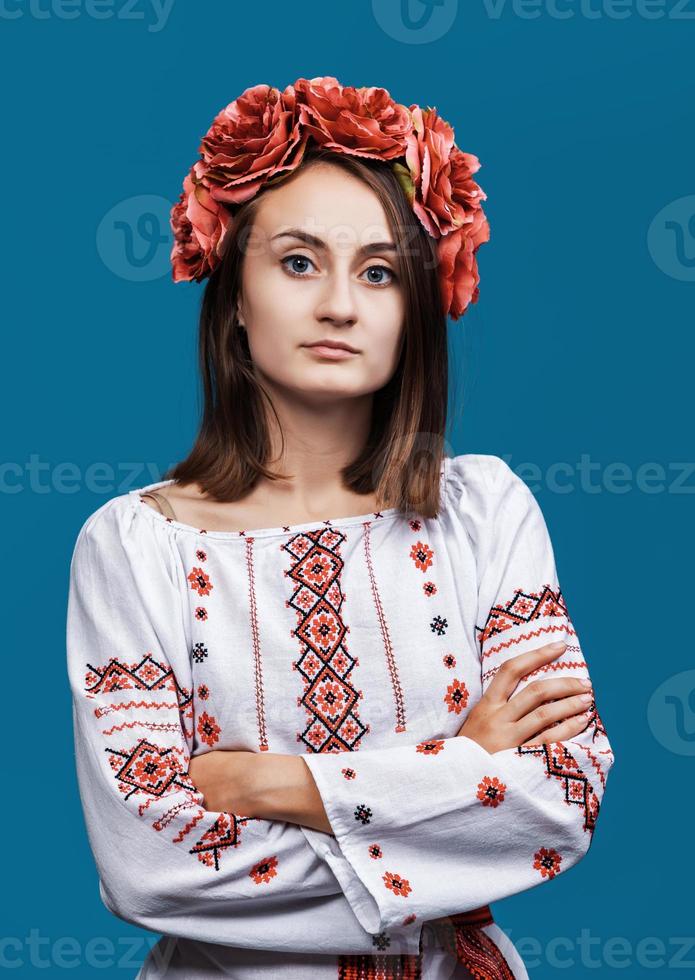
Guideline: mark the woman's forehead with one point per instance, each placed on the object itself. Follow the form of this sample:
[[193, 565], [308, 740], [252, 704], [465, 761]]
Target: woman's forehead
[[329, 205]]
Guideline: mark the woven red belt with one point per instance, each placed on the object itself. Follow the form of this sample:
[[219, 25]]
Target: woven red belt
[[463, 936]]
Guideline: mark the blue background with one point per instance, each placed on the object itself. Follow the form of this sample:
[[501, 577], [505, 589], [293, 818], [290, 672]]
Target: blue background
[[580, 347]]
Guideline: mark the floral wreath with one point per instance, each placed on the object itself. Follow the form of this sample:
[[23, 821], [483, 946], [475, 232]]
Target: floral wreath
[[262, 136]]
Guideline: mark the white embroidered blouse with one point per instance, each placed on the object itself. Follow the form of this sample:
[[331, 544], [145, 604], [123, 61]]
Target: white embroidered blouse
[[362, 643]]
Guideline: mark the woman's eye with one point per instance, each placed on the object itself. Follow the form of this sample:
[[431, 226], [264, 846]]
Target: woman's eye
[[378, 269], [296, 258], [296, 265]]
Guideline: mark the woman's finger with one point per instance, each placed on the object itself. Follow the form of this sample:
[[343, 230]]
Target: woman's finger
[[561, 731], [506, 679]]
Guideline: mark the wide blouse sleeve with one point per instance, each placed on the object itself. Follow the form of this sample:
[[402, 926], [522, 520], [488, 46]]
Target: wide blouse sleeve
[[164, 861], [444, 826]]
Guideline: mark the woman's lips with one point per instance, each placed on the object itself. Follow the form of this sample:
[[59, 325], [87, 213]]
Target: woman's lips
[[334, 353]]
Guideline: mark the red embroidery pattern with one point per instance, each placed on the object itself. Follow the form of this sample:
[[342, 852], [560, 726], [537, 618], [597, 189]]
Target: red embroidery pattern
[[456, 697], [380, 967], [256, 645], [144, 675], [555, 665], [330, 699], [522, 608], [464, 937], [449, 660], [547, 861], [375, 851], [148, 770], [200, 581], [491, 791], [348, 773], [224, 833], [543, 633], [396, 884], [430, 748], [422, 555], [561, 764], [388, 647], [208, 729], [264, 871]]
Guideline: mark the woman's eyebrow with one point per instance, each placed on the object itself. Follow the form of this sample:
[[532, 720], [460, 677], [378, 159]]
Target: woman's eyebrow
[[310, 239]]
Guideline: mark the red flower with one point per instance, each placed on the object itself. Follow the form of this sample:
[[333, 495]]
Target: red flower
[[208, 729], [199, 224], [365, 122], [491, 791], [456, 696], [422, 555], [264, 870], [252, 139], [200, 581], [547, 861], [399, 886], [432, 747]]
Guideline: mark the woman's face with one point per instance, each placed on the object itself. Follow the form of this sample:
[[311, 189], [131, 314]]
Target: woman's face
[[320, 263]]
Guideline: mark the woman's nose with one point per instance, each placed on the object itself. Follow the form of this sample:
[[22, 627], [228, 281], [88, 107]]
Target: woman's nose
[[338, 299]]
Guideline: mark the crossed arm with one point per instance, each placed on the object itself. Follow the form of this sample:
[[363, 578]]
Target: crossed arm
[[267, 785], [273, 786]]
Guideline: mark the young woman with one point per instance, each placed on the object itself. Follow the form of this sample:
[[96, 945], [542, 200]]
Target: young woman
[[329, 702]]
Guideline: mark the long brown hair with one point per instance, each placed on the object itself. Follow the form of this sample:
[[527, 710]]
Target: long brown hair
[[402, 457]]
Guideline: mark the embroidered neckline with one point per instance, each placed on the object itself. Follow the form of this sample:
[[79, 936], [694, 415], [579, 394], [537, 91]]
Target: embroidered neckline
[[375, 518]]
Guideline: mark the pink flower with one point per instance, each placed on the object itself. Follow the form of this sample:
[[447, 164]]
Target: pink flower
[[365, 122]]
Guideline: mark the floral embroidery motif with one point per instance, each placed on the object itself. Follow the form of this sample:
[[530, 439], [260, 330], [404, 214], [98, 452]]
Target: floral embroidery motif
[[491, 791], [208, 729], [456, 696], [439, 625], [224, 833], [148, 770], [375, 851], [203, 692], [363, 813], [547, 861], [201, 555], [430, 748], [200, 581], [199, 652], [264, 871], [330, 699], [422, 555], [561, 764], [399, 886], [348, 773], [429, 588], [449, 660], [523, 607], [415, 525], [201, 613]]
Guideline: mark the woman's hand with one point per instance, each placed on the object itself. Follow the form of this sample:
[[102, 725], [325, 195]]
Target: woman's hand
[[226, 779], [499, 722]]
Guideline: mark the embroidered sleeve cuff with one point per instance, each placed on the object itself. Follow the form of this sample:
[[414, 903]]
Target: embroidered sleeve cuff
[[397, 815]]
